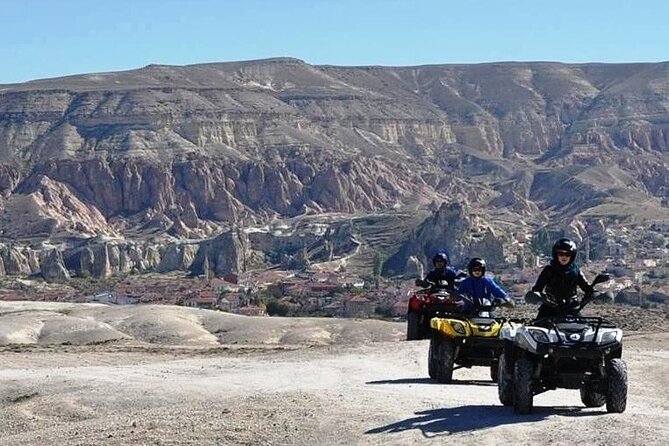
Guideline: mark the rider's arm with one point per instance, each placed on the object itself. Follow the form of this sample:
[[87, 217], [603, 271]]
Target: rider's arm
[[495, 289], [501, 297], [542, 280], [430, 276]]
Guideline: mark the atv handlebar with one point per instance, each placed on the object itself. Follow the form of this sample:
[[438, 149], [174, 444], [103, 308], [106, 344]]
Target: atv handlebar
[[496, 302], [570, 303], [424, 283]]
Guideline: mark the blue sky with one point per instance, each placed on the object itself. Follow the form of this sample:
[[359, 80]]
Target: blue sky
[[50, 38]]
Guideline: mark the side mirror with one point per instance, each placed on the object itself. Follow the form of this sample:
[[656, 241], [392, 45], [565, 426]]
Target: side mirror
[[601, 278], [604, 298]]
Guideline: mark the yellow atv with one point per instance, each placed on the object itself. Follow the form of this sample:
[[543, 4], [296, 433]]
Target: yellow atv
[[465, 340]]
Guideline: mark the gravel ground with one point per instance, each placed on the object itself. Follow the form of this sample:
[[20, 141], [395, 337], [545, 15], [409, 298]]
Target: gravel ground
[[275, 381]]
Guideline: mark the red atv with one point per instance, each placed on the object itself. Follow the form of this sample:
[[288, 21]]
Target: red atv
[[437, 300]]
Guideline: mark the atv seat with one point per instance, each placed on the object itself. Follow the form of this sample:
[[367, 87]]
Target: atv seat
[[572, 327]]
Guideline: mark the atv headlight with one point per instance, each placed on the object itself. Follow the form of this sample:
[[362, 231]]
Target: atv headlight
[[538, 335], [458, 327], [609, 336]]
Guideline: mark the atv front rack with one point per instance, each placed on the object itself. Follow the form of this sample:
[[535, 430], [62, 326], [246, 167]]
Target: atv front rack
[[552, 323]]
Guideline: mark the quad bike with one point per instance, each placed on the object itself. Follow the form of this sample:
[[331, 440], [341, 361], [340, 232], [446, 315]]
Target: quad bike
[[465, 340], [425, 304], [568, 351]]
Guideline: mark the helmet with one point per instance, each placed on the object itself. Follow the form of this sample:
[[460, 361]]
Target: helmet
[[564, 244], [441, 255], [474, 263]]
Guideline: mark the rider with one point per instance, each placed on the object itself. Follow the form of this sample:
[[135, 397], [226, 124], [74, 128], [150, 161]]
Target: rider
[[441, 271], [559, 279], [482, 289]]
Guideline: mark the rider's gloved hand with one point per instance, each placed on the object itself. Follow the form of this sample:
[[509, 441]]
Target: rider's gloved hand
[[533, 297], [572, 305], [422, 283]]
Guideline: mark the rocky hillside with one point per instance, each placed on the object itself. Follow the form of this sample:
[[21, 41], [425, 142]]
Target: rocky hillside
[[157, 166]]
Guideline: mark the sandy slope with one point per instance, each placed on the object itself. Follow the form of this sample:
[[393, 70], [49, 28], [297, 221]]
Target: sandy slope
[[367, 387]]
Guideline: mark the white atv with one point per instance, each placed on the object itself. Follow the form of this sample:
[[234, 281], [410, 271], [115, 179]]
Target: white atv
[[568, 351]]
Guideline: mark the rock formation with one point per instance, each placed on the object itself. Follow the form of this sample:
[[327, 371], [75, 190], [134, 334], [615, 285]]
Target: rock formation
[[139, 170]]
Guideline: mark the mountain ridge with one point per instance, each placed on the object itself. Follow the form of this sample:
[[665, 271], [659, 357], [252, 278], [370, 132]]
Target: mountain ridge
[[187, 152]]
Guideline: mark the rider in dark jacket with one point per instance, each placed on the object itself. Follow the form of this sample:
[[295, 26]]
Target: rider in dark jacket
[[441, 271], [560, 279]]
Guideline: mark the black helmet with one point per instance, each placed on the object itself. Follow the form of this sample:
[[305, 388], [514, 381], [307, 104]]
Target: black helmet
[[476, 262], [441, 255], [564, 244]]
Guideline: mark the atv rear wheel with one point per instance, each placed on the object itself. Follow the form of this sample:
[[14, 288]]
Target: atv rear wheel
[[504, 382], [616, 395], [413, 329], [433, 355], [523, 396], [446, 359], [592, 398]]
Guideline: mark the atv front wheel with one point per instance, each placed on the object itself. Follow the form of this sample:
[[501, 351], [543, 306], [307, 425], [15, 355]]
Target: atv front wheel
[[504, 382], [433, 356], [446, 360], [413, 329], [616, 395], [592, 398], [523, 396]]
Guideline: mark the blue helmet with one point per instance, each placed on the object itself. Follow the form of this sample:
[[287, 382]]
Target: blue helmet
[[441, 255]]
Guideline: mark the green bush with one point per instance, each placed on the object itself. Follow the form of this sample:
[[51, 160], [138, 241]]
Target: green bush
[[276, 308]]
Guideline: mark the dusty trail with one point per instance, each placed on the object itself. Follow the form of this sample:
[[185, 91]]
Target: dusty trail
[[375, 393]]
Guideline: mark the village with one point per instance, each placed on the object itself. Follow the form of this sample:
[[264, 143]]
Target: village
[[637, 266], [335, 294], [266, 293]]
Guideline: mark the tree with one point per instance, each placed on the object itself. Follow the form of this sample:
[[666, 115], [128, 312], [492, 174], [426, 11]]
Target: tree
[[276, 308], [378, 267], [541, 242], [205, 267]]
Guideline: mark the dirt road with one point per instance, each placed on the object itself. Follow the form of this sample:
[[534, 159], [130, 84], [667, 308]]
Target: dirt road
[[371, 394]]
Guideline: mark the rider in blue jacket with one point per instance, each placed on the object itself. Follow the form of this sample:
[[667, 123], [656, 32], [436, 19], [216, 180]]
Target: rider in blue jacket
[[481, 288]]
